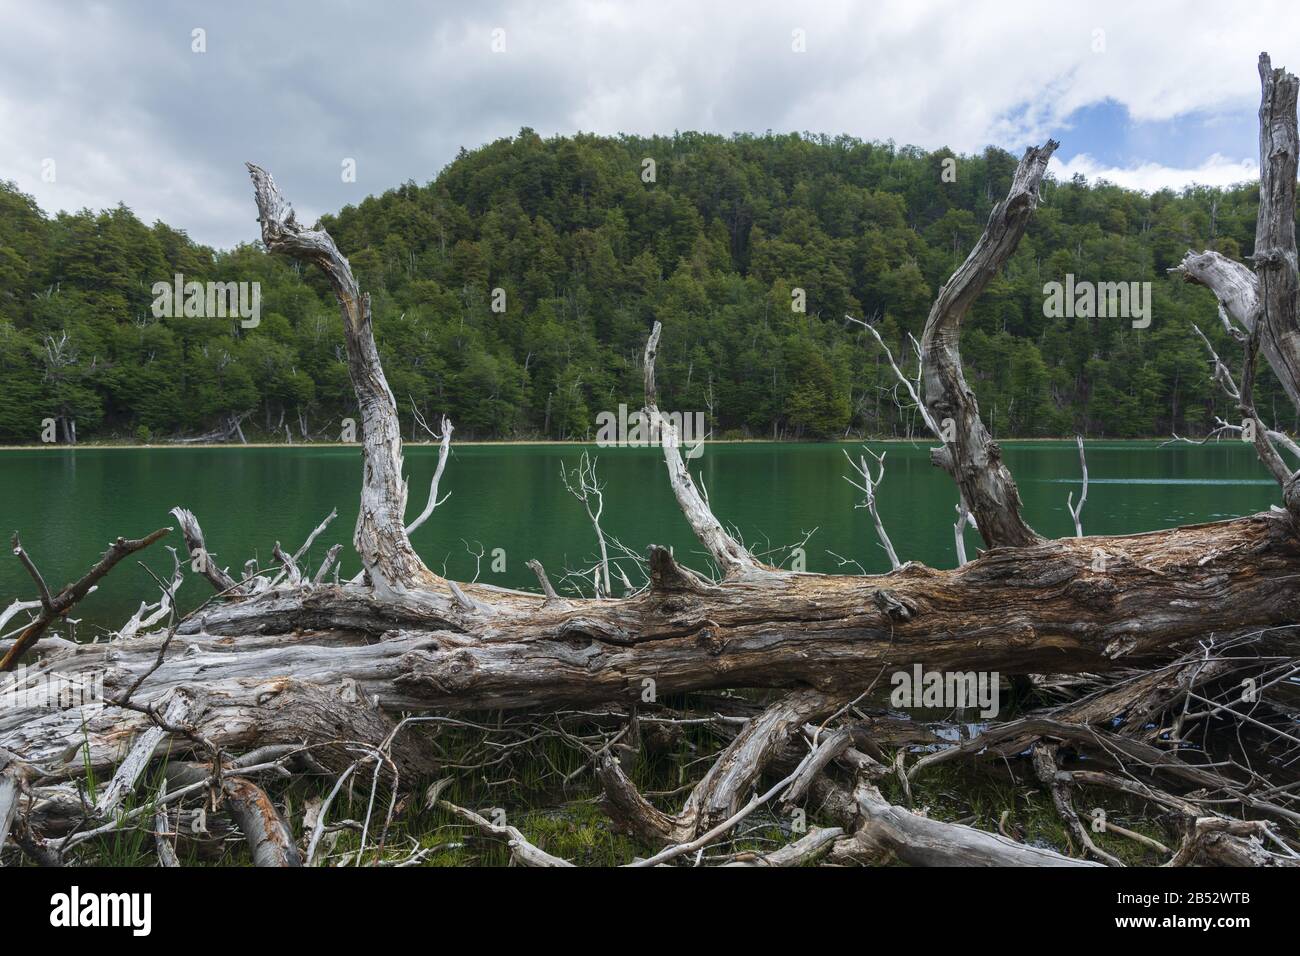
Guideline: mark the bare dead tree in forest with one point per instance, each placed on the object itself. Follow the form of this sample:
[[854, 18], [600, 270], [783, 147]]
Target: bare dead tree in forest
[[281, 669]]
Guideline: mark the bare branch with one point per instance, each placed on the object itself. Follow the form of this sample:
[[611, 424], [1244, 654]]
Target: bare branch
[[868, 488], [964, 518], [971, 456], [47, 603], [583, 484], [316, 533], [731, 556], [147, 615], [380, 538], [176, 711], [536, 567], [903, 380], [1077, 511], [521, 849], [200, 557], [1044, 757], [331, 556], [444, 449], [63, 602]]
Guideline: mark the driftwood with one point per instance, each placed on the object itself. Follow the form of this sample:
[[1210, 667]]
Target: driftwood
[[280, 669], [969, 454]]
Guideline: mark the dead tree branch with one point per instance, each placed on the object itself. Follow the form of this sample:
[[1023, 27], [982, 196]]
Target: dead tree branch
[[868, 488], [380, 538], [732, 558], [54, 607], [1076, 512], [970, 455]]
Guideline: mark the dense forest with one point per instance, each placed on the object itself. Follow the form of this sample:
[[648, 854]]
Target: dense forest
[[514, 294]]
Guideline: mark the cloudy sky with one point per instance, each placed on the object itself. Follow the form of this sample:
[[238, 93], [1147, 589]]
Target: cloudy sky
[[1147, 94]]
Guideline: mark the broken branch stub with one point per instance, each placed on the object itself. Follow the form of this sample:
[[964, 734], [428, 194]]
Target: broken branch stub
[[1268, 294]]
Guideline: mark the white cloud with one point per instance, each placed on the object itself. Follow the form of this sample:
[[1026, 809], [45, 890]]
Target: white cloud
[[130, 114], [1217, 170]]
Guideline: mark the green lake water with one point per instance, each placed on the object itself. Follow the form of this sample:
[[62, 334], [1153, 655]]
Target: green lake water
[[69, 504]]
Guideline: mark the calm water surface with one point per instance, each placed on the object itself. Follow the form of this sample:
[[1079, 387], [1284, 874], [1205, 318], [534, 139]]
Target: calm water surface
[[69, 504]]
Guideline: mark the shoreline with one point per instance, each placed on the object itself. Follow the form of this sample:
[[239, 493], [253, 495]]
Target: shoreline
[[918, 440]]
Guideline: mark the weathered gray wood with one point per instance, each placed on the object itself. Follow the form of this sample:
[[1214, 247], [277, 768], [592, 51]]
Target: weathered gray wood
[[815, 843], [833, 745], [1275, 247], [198, 552], [162, 838], [10, 792], [380, 537], [1045, 766], [1268, 294], [732, 557], [972, 457], [1275, 243], [444, 449], [892, 831], [173, 713], [521, 850], [299, 663], [1027, 610], [1233, 284], [547, 588], [719, 794], [269, 840], [55, 606]]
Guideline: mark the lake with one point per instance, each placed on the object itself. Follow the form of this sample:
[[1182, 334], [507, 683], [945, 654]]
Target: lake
[[69, 504]]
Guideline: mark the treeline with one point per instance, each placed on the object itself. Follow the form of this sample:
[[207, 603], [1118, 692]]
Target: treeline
[[514, 294]]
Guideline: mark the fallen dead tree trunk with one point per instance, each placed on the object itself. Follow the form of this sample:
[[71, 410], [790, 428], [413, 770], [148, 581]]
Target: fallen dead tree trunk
[[1024, 610]]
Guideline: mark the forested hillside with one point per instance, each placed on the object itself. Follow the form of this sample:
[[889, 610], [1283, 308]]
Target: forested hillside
[[588, 255]]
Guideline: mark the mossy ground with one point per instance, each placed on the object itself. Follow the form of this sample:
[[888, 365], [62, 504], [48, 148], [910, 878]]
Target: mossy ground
[[545, 790]]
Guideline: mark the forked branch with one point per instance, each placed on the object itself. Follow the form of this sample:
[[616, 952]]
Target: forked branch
[[55, 606]]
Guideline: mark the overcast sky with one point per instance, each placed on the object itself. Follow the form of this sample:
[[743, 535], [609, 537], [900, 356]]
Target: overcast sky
[[1144, 93]]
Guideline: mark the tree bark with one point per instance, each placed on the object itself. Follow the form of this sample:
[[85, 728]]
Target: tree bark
[[1267, 295], [380, 537], [970, 455], [1013, 610]]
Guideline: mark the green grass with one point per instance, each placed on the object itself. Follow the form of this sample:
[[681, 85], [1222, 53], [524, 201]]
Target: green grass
[[547, 791], [977, 794]]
